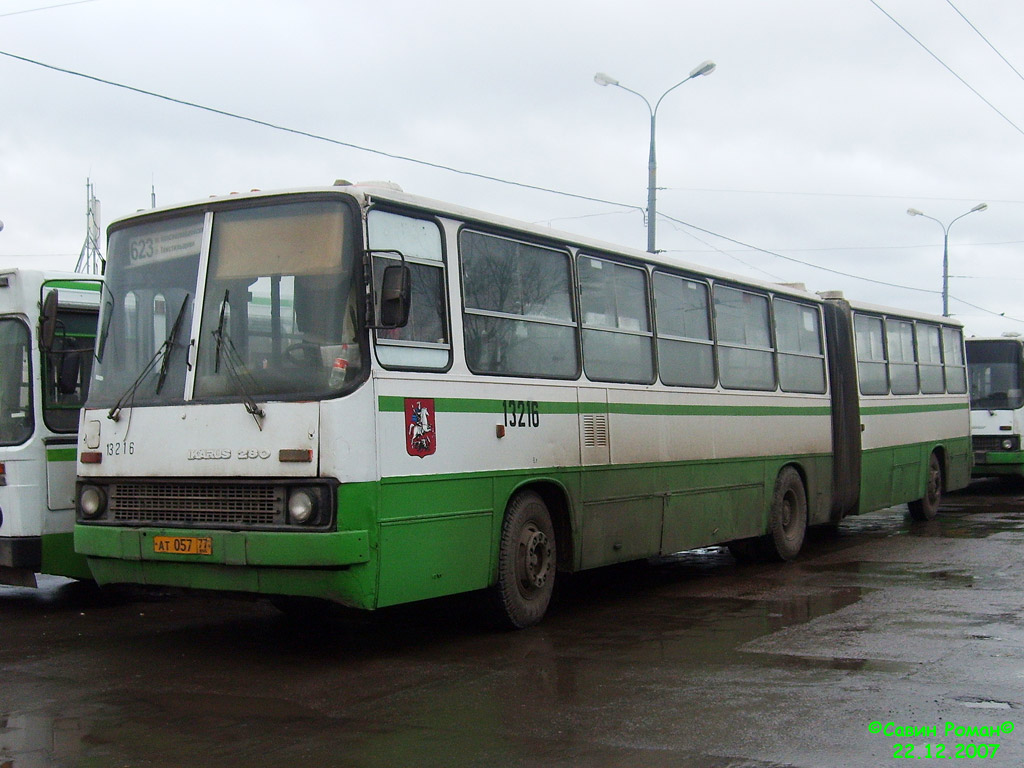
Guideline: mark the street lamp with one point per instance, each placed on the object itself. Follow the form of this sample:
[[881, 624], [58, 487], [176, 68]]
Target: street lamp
[[945, 248], [602, 79]]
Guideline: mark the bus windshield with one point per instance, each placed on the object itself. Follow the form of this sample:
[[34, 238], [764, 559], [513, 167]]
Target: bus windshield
[[279, 315], [994, 368]]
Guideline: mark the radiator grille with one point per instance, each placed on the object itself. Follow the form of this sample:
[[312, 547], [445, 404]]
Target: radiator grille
[[993, 442], [196, 504]]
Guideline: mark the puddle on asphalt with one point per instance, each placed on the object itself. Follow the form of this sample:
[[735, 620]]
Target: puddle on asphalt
[[983, 704], [877, 574]]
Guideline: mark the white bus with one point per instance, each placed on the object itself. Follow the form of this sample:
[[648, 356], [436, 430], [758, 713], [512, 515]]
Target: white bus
[[357, 394], [996, 370], [40, 396]]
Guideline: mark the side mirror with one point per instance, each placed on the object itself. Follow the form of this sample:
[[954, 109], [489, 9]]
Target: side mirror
[[48, 321], [395, 296], [69, 370]]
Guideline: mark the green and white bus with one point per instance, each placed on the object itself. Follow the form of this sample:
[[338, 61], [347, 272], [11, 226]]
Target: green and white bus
[[362, 395], [995, 367], [42, 388]]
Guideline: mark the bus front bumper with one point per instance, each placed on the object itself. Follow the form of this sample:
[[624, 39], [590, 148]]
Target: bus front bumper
[[237, 548], [997, 463]]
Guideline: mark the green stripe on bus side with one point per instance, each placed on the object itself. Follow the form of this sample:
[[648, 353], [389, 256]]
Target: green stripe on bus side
[[73, 285], [660, 409], [61, 454], [884, 410], [393, 404]]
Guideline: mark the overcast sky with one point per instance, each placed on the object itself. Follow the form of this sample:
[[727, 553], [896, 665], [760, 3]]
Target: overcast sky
[[823, 122]]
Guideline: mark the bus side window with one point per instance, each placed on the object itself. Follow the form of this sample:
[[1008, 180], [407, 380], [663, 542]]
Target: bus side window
[[801, 355], [953, 357], [685, 351], [67, 368], [743, 332], [518, 308], [616, 326], [929, 355], [902, 363], [423, 343], [871, 368]]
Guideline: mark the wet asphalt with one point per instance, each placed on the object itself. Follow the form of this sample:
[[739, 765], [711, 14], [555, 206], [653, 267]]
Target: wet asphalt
[[887, 632]]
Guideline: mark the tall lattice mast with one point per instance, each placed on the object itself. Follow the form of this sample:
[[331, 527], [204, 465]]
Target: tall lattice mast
[[90, 260]]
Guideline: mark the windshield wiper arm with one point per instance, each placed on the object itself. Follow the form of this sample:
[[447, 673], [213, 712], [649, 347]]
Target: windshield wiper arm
[[219, 333], [169, 345], [232, 362], [164, 350]]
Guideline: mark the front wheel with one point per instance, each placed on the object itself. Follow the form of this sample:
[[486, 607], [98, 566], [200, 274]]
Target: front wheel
[[526, 562], [927, 506]]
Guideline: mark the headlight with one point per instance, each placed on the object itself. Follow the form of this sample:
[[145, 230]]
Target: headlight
[[302, 506], [92, 501], [1008, 444]]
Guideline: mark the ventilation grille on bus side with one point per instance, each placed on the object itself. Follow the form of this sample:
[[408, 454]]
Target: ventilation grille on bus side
[[196, 504], [595, 430]]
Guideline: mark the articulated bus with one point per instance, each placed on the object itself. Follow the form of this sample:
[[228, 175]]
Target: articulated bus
[[42, 388], [357, 394], [996, 371]]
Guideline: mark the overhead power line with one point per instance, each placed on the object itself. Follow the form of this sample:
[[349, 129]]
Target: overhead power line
[[801, 261], [856, 195], [451, 169], [310, 135], [987, 41], [45, 8], [949, 69]]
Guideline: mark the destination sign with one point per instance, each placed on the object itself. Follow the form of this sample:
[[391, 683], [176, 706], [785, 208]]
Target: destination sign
[[165, 245]]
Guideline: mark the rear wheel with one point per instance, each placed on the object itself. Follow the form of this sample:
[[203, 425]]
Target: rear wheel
[[927, 506], [526, 562], [788, 522]]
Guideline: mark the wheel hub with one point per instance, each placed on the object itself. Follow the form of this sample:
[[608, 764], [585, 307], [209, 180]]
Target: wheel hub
[[535, 558]]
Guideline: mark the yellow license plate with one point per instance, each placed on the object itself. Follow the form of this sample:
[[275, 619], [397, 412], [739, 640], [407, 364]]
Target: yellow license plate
[[183, 545]]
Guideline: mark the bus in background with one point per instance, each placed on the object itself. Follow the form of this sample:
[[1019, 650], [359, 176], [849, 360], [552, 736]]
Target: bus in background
[[43, 383], [996, 370], [361, 395]]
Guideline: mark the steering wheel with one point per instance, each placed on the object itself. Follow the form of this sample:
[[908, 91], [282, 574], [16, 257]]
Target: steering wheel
[[302, 354]]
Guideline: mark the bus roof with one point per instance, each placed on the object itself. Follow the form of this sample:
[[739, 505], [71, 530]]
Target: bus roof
[[368, 193]]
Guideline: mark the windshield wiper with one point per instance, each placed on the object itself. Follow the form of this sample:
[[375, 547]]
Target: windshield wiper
[[164, 351], [234, 364], [169, 345], [219, 333]]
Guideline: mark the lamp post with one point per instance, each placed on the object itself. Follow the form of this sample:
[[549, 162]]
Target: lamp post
[[652, 167], [945, 248]]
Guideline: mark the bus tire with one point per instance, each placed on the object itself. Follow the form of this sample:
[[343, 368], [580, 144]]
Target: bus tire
[[788, 520], [927, 506], [526, 562]]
